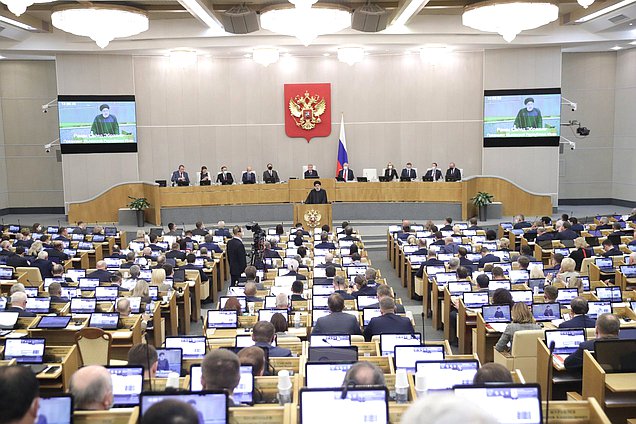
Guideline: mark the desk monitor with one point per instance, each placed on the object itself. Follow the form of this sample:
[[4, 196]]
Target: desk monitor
[[496, 313], [211, 406], [456, 288], [499, 284], [38, 305], [53, 322], [445, 374], [352, 271], [8, 319], [71, 292], [85, 245], [565, 296], [356, 405], [585, 282], [366, 301], [616, 356], [25, 350], [88, 283], [331, 354], [320, 272], [368, 314], [326, 374], [31, 291], [522, 296], [407, 355], [597, 308], [222, 319], [389, 341], [127, 385], [223, 300], [193, 347], [83, 305], [51, 280], [6, 273], [544, 312], [104, 320], [75, 274], [474, 300], [98, 238], [55, 409], [113, 263], [611, 293], [244, 392], [244, 340], [168, 360], [106, 293], [518, 275], [444, 277], [509, 403], [320, 302], [329, 340], [135, 304], [628, 270], [604, 263], [566, 341], [270, 302], [266, 314], [433, 270]]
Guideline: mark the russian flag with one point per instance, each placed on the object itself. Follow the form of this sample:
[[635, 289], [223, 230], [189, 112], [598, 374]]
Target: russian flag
[[342, 147]]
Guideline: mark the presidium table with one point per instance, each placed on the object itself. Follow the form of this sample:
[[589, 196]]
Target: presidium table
[[104, 207]]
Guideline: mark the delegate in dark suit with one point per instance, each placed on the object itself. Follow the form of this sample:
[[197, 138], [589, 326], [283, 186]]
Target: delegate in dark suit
[[249, 177], [388, 323], [225, 179], [17, 260], [348, 176], [337, 323], [487, 259], [103, 275], [579, 321], [236, 257], [408, 173], [45, 266], [390, 174], [21, 312], [271, 176], [574, 362], [274, 351], [311, 174], [180, 177], [453, 174], [434, 174], [578, 255], [566, 234]]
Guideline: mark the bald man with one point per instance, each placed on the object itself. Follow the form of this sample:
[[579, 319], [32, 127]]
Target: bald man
[[18, 304], [92, 388], [101, 273]]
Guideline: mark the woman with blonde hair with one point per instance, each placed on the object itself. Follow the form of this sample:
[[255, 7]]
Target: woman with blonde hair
[[35, 248], [158, 278], [567, 273], [522, 319], [141, 290]]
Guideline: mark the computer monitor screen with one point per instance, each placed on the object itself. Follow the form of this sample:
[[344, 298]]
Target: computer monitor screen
[[475, 299], [127, 385], [106, 292], [330, 354], [38, 305], [565, 296], [359, 405], [320, 302], [241, 299], [543, 312], [509, 403], [168, 360], [522, 296], [193, 346], [368, 314], [53, 322], [499, 284], [8, 319], [88, 283], [565, 341], [407, 356], [496, 313], [105, 321], [366, 301], [597, 308], [83, 305], [222, 319], [25, 350], [389, 341], [6, 273], [611, 293], [211, 406], [266, 314], [55, 409], [326, 374], [327, 340], [444, 374], [456, 288]]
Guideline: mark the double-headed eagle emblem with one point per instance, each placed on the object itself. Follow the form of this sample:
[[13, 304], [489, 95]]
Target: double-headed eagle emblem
[[306, 110], [312, 218]]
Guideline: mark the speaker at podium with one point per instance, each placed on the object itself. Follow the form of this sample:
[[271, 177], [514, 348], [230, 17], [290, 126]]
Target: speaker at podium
[[312, 216]]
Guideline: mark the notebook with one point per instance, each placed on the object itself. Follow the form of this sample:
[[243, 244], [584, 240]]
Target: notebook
[[53, 322]]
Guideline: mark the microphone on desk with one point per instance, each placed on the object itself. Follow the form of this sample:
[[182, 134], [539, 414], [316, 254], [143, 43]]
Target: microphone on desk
[[549, 382]]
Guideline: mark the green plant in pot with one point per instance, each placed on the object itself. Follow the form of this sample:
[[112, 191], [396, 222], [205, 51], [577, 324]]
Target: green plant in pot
[[482, 200], [139, 204]]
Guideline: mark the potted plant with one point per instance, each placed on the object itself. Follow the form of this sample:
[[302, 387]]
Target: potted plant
[[482, 200], [138, 204]]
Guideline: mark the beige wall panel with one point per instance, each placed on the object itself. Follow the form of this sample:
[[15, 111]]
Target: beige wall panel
[[28, 79], [4, 195], [624, 176], [94, 74]]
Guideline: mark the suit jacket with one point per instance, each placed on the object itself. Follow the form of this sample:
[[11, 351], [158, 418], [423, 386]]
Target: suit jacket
[[579, 321], [58, 299], [273, 177], [225, 180], [544, 237], [57, 256], [612, 252], [45, 267], [103, 275], [344, 294], [200, 232], [408, 173], [236, 256], [176, 254], [348, 177], [450, 248], [204, 277], [399, 308], [337, 323], [578, 255], [388, 323], [487, 259], [248, 177], [465, 262], [325, 245], [453, 174], [574, 362], [365, 291], [521, 225], [297, 275], [566, 234], [16, 260], [390, 174], [437, 176], [311, 174], [21, 312], [274, 351], [175, 177], [212, 247]]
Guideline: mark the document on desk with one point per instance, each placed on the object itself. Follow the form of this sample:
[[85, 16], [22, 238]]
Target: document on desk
[[557, 322], [498, 326], [559, 361], [15, 335]]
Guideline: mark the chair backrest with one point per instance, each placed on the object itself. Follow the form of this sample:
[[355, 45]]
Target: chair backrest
[[93, 345], [305, 170], [198, 179], [32, 273], [616, 356], [370, 173], [524, 342]]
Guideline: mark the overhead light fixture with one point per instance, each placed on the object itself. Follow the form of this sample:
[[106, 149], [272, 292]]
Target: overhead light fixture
[[615, 48], [509, 19], [351, 55], [633, 43], [183, 57], [306, 23], [202, 13], [265, 55], [18, 7], [605, 10], [585, 3], [407, 13], [102, 23], [17, 23]]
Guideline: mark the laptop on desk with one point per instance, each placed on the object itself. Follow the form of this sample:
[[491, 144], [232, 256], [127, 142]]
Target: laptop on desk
[[496, 316], [604, 264], [362, 179], [566, 342]]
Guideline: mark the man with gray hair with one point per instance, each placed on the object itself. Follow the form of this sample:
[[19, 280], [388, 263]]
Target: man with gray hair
[[16, 287], [388, 322], [43, 264], [607, 328], [221, 370], [123, 307], [446, 409], [18, 304], [55, 293], [364, 374], [579, 319], [340, 287], [92, 388], [383, 291], [282, 301], [292, 266], [453, 264]]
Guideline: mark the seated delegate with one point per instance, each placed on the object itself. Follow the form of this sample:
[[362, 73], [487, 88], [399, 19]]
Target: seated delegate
[[180, 177]]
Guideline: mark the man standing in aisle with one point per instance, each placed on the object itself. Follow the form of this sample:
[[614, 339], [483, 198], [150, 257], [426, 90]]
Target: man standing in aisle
[[236, 255]]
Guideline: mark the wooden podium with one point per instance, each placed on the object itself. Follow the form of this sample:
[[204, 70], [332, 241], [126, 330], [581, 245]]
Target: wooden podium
[[312, 216]]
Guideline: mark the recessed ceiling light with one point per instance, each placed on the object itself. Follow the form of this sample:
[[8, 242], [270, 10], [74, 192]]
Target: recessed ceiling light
[[326, 54], [616, 48]]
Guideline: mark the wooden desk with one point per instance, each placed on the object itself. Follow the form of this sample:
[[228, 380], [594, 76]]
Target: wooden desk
[[584, 412], [466, 321], [183, 307], [112, 416], [169, 311], [486, 340], [621, 382]]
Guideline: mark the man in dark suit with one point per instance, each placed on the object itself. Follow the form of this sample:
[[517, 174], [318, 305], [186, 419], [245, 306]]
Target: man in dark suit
[[297, 289], [175, 252], [324, 242], [408, 172], [263, 336], [434, 173], [190, 258], [56, 253], [5, 248], [462, 252], [607, 328], [221, 230], [210, 244], [311, 172], [100, 272], [486, 257], [337, 322], [431, 260], [270, 175], [340, 286], [363, 288], [236, 255], [43, 264], [224, 177], [473, 224], [180, 177], [608, 247], [62, 234], [18, 259], [565, 233], [452, 173], [345, 173], [383, 291], [521, 223], [199, 230], [248, 177], [349, 235], [604, 224], [390, 173], [18, 304], [543, 235], [580, 319], [173, 231], [388, 322], [55, 293], [292, 266]]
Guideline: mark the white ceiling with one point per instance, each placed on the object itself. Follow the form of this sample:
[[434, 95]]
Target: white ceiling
[[439, 23]]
